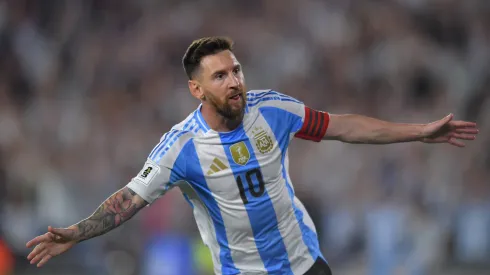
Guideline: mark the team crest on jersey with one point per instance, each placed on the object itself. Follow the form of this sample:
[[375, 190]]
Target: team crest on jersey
[[240, 153], [262, 140]]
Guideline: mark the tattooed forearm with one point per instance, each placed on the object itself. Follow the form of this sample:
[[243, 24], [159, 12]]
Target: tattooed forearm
[[117, 209]]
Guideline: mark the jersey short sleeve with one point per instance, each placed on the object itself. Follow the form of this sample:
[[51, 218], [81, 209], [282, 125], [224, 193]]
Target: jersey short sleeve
[[164, 168], [302, 121], [315, 124], [151, 182], [290, 110]]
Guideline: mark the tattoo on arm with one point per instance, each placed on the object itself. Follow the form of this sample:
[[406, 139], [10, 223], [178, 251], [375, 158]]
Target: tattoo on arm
[[114, 211]]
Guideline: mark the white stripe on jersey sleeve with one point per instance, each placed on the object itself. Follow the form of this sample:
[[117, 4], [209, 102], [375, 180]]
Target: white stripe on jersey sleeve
[[271, 98], [153, 181], [153, 184]]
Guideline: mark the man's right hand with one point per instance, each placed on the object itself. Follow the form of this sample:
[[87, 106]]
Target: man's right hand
[[115, 210], [51, 244]]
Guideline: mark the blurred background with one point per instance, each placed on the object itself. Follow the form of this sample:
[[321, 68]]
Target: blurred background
[[87, 88]]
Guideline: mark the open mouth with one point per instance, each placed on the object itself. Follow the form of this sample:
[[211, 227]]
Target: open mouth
[[236, 97]]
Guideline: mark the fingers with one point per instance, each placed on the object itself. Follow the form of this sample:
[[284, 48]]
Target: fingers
[[38, 249], [39, 239], [460, 124], [448, 117], [42, 257], [463, 136], [456, 142], [44, 260], [39, 256], [444, 120], [466, 130]]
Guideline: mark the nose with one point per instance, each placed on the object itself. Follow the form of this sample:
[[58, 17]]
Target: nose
[[234, 81]]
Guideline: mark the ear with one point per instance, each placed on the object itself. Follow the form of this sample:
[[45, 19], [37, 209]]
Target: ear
[[195, 89]]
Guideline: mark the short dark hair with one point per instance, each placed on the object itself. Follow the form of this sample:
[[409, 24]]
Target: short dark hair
[[203, 47]]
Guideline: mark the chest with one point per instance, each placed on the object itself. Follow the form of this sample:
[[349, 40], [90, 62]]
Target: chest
[[241, 165], [254, 149]]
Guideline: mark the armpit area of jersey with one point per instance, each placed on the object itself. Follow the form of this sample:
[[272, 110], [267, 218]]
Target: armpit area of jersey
[[314, 126]]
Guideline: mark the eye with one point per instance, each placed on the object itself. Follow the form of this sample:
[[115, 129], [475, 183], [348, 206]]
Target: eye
[[236, 70], [219, 76]]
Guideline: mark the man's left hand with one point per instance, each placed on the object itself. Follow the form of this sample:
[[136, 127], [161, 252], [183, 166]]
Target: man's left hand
[[447, 130]]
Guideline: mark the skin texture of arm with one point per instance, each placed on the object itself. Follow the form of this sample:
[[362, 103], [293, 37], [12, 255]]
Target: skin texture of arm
[[361, 129], [114, 211]]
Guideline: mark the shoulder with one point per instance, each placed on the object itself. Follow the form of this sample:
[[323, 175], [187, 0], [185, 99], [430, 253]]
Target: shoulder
[[174, 141], [268, 97], [260, 99]]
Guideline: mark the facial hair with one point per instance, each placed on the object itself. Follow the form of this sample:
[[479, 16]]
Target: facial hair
[[226, 110]]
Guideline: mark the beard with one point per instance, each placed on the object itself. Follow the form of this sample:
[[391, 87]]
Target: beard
[[227, 110]]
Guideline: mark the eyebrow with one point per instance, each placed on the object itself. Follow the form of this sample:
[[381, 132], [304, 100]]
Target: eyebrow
[[237, 66], [218, 72]]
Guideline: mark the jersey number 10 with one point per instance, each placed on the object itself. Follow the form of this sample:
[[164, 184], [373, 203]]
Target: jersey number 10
[[251, 188]]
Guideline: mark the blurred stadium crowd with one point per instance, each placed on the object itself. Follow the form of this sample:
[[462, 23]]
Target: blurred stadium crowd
[[88, 87]]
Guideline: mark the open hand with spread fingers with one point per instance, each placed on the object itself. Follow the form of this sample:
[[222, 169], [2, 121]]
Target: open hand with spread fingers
[[51, 244], [447, 130]]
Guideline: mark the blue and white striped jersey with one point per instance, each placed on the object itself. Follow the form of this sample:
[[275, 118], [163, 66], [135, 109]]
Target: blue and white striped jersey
[[239, 187]]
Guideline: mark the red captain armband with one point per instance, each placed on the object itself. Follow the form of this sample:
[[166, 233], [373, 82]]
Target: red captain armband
[[315, 125]]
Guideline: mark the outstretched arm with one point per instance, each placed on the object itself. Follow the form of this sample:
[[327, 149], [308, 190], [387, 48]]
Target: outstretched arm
[[114, 211], [362, 129]]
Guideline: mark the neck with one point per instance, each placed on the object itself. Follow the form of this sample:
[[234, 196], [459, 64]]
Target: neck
[[217, 122]]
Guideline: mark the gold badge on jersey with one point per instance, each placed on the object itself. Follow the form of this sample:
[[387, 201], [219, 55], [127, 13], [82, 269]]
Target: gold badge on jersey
[[240, 153], [262, 140]]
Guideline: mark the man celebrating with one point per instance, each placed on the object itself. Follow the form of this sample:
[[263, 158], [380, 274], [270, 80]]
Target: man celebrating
[[230, 160]]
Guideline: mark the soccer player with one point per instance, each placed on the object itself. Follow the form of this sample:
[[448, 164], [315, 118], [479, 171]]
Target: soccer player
[[230, 160]]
